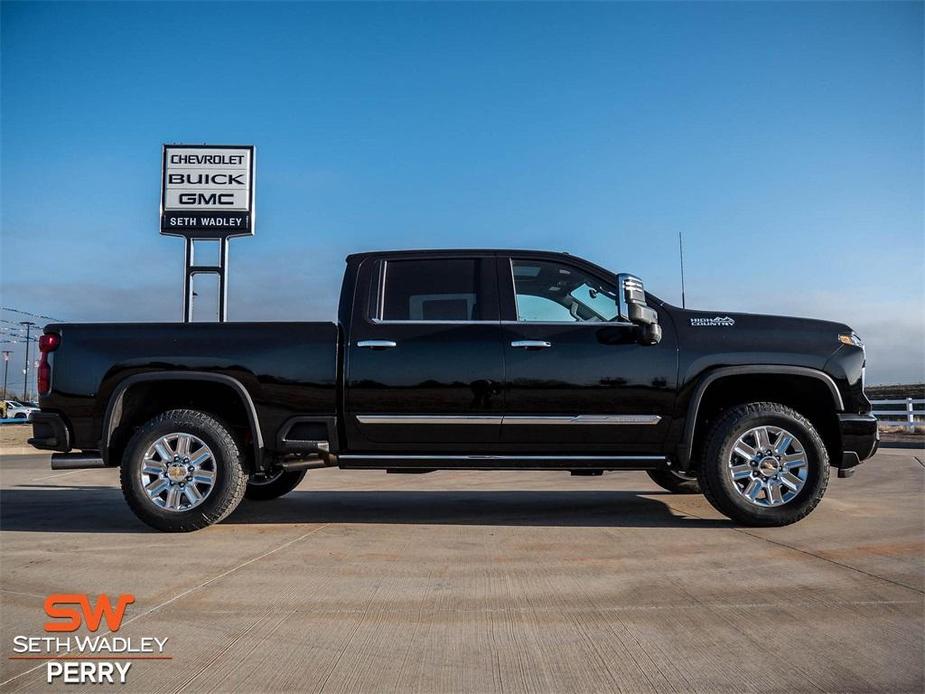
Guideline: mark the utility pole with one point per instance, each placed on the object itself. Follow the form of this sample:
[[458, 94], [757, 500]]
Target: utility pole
[[6, 368], [681, 249], [25, 380]]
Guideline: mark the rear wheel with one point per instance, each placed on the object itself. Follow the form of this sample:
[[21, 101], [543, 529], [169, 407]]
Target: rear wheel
[[262, 487], [676, 481], [765, 464], [182, 471]]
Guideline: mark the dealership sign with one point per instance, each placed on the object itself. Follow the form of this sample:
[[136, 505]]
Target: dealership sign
[[207, 191]]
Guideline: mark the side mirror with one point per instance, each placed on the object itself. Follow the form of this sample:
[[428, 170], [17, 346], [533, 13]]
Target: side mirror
[[633, 309]]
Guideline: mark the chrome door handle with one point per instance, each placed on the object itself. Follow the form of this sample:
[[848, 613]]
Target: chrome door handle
[[377, 344], [531, 344]]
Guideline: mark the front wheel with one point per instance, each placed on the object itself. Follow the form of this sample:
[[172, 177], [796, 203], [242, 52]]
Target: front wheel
[[262, 487], [675, 481], [765, 465], [182, 471]]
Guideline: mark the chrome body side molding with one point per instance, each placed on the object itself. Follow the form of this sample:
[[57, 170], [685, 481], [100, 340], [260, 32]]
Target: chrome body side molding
[[632, 419], [427, 419], [606, 419]]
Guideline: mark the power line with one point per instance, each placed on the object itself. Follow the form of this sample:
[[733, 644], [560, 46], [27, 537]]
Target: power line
[[28, 313]]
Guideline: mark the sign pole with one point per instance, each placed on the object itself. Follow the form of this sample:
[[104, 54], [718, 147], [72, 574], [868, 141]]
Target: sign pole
[[25, 379], [188, 282], [223, 282], [6, 368]]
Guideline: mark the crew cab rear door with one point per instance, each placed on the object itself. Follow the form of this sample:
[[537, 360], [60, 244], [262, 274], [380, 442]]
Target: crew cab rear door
[[577, 377], [424, 363]]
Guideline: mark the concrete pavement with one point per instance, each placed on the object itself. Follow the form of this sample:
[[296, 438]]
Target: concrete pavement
[[483, 582]]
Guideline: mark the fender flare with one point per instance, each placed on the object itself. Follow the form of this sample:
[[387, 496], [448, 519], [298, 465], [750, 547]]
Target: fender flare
[[114, 407], [693, 407]]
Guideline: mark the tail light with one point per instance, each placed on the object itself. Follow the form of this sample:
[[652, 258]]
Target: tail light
[[47, 343]]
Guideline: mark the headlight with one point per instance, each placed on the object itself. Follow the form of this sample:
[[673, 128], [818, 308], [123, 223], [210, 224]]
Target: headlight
[[850, 339]]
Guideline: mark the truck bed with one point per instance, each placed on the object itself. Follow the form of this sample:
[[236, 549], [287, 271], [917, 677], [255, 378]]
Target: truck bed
[[288, 369]]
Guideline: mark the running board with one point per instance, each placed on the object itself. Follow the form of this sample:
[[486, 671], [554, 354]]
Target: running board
[[501, 462], [76, 461]]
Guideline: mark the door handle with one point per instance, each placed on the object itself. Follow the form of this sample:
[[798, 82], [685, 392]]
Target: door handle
[[377, 344], [531, 344]]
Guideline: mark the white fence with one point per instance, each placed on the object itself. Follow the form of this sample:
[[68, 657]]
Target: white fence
[[908, 412]]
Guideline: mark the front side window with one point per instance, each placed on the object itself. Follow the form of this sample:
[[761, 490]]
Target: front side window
[[439, 289], [549, 292]]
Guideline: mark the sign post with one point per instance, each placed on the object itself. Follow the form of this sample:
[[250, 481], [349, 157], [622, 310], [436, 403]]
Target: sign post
[[207, 193]]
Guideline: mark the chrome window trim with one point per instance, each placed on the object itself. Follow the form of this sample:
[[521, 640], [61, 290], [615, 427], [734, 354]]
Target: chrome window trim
[[381, 307], [590, 324], [379, 321]]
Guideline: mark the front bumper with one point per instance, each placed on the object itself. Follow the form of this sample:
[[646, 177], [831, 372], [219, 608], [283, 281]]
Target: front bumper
[[50, 432], [860, 438]]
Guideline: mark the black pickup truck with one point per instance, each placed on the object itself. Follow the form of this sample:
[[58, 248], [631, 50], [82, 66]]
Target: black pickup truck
[[464, 359]]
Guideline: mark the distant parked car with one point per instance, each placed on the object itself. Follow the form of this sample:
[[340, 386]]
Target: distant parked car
[[13, 409]]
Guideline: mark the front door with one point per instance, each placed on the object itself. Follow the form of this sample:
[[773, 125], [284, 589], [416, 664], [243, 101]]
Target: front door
[[577, 378], [424, 365]]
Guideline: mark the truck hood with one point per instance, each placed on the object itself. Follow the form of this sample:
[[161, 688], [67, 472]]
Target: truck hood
[[739, 338]]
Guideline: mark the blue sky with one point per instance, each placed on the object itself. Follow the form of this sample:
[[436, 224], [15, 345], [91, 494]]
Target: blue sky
[[784, 140]]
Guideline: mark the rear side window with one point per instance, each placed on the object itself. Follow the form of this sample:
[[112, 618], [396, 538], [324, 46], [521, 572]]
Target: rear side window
[[431, 290]]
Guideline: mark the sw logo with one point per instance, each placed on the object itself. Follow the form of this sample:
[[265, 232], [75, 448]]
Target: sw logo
[[60, 606]]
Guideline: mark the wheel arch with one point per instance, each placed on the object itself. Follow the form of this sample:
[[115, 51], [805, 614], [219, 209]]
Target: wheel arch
[[113, 417], [712, 381]]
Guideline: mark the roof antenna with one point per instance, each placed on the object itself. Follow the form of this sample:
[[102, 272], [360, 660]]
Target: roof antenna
[[681, 250]]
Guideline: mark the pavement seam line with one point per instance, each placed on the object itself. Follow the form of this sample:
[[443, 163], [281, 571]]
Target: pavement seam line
[[831, 561], [192, 590], [57, 474], [356, 629], [222, 651], [919, 460], [808, 553]]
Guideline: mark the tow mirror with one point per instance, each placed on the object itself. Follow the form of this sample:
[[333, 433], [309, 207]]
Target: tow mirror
[[633, 309]]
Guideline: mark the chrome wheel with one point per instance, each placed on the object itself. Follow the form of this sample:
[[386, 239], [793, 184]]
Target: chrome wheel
[[768, 466], [178, 472]]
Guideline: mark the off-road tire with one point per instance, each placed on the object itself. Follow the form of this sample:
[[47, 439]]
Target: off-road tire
[[285, 483], [717, 485], [667, 479], [230, 478]]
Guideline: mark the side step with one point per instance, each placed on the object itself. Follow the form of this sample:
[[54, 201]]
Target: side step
[[76, 461], [583, 464]]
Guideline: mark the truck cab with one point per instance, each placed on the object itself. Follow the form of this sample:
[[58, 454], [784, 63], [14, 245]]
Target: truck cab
[[490, 353]]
